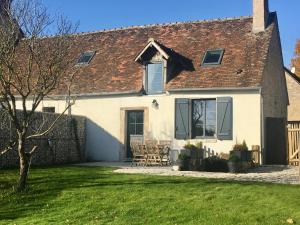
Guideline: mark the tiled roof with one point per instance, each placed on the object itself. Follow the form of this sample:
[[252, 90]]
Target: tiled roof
[[113, 68]]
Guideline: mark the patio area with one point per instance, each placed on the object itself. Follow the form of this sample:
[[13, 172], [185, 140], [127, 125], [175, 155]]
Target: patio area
[[270, 174]]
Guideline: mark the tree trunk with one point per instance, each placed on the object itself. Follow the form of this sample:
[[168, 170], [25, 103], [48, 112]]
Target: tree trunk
[[24, 163]]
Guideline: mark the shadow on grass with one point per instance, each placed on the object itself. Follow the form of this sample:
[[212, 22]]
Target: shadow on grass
[[46, 184]]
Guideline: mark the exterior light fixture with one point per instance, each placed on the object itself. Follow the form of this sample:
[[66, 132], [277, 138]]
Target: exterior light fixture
[[155, 103]]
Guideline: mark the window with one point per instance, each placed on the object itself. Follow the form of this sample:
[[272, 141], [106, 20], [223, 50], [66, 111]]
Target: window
[[48, 109], [204, 118], [155, 81], [85, 58], [213, 57]]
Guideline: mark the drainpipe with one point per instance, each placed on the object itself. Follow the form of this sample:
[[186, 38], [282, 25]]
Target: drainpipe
[[262, 124]]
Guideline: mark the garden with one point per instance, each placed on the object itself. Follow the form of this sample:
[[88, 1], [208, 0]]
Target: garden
[[96, 195], [239, 160]]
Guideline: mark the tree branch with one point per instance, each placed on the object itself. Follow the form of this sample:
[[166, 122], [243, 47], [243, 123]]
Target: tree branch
[[8, 148], [53, 123], [33, 150]]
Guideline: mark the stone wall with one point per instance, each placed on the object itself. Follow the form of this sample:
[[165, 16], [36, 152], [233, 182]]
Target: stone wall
[[64, 144], [274, 92]]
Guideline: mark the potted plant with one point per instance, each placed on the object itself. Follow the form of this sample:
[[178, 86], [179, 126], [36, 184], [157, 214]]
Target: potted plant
[[183, 161], [241, 151], [234, 164], [196, 154], [215, 164]]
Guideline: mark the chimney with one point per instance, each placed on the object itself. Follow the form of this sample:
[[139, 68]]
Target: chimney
[[260, 15]]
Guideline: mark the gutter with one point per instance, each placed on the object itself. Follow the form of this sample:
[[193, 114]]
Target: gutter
[[91, 95], [139, 93], [258, 89]]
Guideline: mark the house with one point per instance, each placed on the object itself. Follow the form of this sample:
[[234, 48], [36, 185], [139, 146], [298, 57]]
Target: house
[[293, 86], [217, 81]]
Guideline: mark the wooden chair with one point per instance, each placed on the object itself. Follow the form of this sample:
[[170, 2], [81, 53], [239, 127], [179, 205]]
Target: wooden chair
[[165, 148], [153, 156], [138, 154]]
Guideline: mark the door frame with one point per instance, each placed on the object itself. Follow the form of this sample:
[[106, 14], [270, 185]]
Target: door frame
[[123, 128]]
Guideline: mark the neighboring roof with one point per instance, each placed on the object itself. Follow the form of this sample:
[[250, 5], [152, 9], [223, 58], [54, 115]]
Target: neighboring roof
[[294, 76], [113, 68]]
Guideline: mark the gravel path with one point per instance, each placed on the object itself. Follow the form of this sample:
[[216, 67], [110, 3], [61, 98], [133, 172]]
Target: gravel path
[[270, 174]]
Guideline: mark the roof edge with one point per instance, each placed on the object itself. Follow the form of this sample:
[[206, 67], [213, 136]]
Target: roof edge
[[293, 75]]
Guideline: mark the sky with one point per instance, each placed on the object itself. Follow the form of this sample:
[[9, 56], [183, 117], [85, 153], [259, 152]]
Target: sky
[[94, 15]]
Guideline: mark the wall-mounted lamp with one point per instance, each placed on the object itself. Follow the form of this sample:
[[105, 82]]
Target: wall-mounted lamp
[[155, 103]]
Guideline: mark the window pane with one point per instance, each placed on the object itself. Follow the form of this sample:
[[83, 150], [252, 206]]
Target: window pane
[[204, 118], [131, 117], [48, 109], [139, 117], [139, 129], [131, 129], [198, 118], [85, 57], [155, 78], [212, 57], [210, 128]]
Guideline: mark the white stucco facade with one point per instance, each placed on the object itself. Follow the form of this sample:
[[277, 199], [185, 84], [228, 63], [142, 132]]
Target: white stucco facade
[[106, 120]]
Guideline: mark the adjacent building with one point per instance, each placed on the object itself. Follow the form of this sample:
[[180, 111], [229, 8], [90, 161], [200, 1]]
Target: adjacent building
[[293, 86]]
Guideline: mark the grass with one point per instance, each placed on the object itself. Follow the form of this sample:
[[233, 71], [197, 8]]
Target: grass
[[80, 195]]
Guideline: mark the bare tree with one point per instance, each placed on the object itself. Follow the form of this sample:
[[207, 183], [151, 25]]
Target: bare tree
[[32, 67]]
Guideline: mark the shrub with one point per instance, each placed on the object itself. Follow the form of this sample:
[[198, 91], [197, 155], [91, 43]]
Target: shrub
[[245, 147], [199, 145], [240, 147], [223, 155], [214, 164], [189, 146], [183, 156]]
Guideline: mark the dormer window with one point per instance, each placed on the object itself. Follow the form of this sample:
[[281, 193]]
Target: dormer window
[[155, 59], [85, 58], [213, 57], [154, 78]]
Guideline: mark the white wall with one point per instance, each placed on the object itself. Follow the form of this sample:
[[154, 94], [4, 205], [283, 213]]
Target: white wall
[[104, 135]]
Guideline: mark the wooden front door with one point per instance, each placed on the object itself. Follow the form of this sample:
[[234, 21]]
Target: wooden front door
[[135, 128]]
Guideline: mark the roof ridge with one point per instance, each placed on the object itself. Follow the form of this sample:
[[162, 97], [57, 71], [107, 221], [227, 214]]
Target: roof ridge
[[162, 25], [154, 25]]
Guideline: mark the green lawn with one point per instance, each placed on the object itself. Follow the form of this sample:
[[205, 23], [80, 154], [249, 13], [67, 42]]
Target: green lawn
[[81, 195]]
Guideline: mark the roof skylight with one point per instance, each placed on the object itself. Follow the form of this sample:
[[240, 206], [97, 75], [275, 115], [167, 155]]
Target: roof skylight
[[85, 58], [213, 57]]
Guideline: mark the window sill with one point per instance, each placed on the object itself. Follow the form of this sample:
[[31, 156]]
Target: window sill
[[155, 94], [206, 139]]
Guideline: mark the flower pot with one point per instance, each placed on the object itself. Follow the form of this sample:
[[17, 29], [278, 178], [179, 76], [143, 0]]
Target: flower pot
[[234, 167], [184, 165], [196, 158], [175, 168], [245, 156]]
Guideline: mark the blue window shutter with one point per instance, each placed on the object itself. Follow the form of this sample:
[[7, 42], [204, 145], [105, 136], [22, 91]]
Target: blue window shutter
[[182, 119], [224, 118], [155, 78]]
